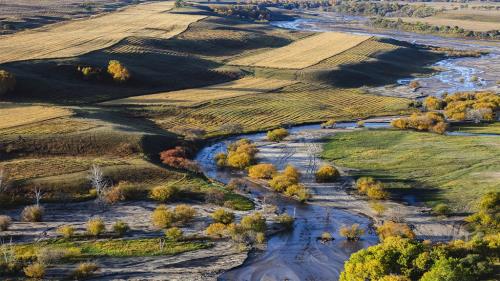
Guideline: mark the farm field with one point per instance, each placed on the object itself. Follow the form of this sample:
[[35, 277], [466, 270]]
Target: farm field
[[70, 39], [192, 97], [434, 168], [12, 115], [305, 52]]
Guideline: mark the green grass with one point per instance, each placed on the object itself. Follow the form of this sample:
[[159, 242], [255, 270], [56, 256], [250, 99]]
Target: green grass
[[453, 169], [109, 248], [485, 128]]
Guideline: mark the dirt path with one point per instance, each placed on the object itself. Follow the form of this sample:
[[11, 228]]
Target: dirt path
[[302, 150]]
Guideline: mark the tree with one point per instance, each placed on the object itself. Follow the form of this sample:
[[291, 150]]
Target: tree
[[177, 158], [7, 82], [277, 135], [118, 71], [99, 182], [433, 103]]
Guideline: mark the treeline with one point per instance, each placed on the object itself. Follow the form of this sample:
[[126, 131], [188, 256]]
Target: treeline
[[249, 12], [421, 27], [383, 9], [291, 4]]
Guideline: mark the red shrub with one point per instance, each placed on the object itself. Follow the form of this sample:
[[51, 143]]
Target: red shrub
[[177, 158]]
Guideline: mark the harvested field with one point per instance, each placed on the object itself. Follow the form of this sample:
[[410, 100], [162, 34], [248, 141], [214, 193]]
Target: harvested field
[[83, 36], [304, 53], [191, 97], [17, 115], [304, 103], [474, 25]]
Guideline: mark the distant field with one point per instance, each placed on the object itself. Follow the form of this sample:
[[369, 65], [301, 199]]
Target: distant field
[[244, 86], [17, 115], [475, 25], [457, 169], [305, 52], [69, 39], [294, 104]]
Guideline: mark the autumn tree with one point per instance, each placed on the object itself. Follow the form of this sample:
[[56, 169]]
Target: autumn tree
[[118, 71], [7, 82]]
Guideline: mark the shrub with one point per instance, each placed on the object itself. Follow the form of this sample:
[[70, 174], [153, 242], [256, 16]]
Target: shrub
[[35, 270], [163, 193], [132, 191], [390, 229], [377, 192], [292, 173], [84, 270], [95, 226], [118, 71], [277, 135], [5, 222], [51, 255], [363, 183], [240, 155], [286, 220], [177, 158], [429, 121], [330, 124], [214, 196], [327, 173], [255, 222], [223, 216], [262, 171], [360, 124], [7, 82], [378, 208], [281, 182], [441, 209], [33, 213], [184, 213], [260, 238], [352, 233], [67, 231], [113, 195], [120, 227], [221, 159], [394, 278], [174, 234], [162, 217], [216, 229], [326, 236], [298, 191], [433, 103], [414, 84], [239, 160]]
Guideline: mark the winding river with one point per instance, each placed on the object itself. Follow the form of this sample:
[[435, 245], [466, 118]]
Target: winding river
[[299, 254]]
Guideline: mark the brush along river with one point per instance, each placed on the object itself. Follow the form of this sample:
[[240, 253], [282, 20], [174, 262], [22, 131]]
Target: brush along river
[[299, 254]]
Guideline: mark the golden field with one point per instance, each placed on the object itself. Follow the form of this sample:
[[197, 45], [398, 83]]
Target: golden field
[[17, 115], [244, 86], [69, 39], [305, 52]]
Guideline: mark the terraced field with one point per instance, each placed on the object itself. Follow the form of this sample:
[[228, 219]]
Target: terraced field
[[305, 52], [69, 39], [261, 111], [191, 97], [16, 115]]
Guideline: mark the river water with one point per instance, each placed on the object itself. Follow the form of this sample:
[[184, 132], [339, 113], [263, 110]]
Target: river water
[[299, 254]]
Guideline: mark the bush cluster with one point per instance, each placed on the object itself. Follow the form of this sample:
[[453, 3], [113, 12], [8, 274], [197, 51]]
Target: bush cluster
[[5, 222], [95, 226], [429, 121], [327, 173], [251, 12], [66, 231], [262, 171], [479, 106], [414, 260], [250, 230], [32, 213], [223, 216], [372, 188], [287, 182], [174, 234], [487, 217], [277, 135], [241, 154], [164, 217], [163, 193]]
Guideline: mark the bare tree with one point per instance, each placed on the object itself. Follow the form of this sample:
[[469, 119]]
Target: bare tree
[[3, 186], [37, 191], [98, 182], [7, 251]]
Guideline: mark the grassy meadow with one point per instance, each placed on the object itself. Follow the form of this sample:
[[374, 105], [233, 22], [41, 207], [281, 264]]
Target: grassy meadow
[[435, 168]]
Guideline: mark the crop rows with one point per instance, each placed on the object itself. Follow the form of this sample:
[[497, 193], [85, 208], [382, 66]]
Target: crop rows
[[294, 104], [360, 53], [17, 115]]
